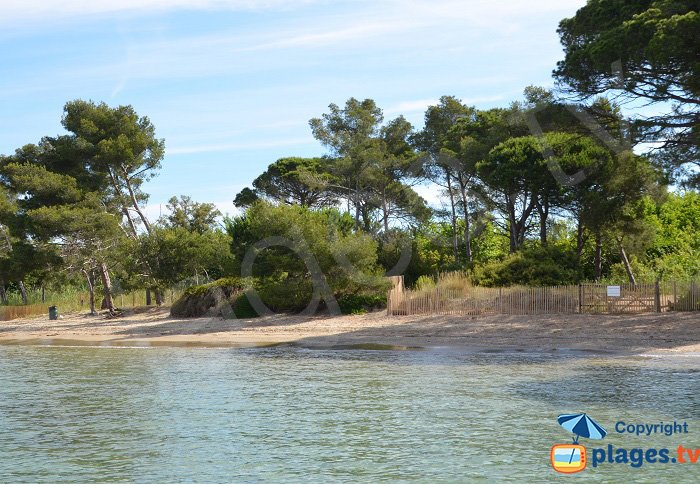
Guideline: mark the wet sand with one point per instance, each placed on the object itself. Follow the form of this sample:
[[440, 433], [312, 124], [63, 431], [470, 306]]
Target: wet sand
[[625, 334]]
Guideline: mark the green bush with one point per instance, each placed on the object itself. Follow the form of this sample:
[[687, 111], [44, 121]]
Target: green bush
[[214, 299], [243, 309], [533, 266], [324, 234], [285, 294], [361, 303]]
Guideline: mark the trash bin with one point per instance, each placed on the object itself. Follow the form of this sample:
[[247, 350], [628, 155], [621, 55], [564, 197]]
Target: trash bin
[[53, 312]]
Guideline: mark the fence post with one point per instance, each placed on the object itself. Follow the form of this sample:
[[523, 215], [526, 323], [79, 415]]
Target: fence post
[[580, 298], [675, 297], [657, 296]]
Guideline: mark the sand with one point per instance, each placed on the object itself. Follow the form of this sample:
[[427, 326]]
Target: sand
[[619, 334]]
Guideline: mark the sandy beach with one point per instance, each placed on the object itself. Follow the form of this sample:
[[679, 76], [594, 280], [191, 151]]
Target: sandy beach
[[629, 334]]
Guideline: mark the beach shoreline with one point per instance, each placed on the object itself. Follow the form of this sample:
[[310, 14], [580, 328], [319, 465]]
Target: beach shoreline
[[667, 333]]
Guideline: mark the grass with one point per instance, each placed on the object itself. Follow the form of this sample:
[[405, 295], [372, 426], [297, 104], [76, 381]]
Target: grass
[[457, 281]]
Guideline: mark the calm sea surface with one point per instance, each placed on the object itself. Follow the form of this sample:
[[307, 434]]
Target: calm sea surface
[[291, 414]]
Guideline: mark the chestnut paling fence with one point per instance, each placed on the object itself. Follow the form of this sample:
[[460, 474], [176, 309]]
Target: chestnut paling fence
[[78, 301], [584, 298]]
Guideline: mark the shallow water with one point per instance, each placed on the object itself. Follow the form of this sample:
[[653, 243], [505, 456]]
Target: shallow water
[[292, 414]]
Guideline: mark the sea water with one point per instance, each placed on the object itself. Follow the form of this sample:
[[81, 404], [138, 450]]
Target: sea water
[[289, 414]]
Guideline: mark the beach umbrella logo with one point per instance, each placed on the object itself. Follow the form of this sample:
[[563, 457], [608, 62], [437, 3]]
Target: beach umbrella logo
[[570, 458]]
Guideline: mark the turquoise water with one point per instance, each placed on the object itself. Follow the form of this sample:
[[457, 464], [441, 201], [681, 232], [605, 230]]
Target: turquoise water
[[292, 414]]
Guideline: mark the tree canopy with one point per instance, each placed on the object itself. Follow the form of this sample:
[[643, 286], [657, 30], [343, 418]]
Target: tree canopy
[[644, 50]]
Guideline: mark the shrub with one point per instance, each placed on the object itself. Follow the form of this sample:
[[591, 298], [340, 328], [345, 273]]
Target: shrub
[[534, 266], [242, 307], [285, 294], [214, 299], [455, 281], [361, 303], [425, 283], [341, 254]]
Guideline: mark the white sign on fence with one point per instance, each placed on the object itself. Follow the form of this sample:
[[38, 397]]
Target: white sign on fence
[[613, 291]]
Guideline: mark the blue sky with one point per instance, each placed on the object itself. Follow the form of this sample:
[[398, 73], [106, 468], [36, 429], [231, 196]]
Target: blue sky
[[231, 84]]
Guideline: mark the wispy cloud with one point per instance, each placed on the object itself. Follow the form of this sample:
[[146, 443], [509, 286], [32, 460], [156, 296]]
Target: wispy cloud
[[420, 105], [239, 79], [36, 9], [406, 107], [219, 147]]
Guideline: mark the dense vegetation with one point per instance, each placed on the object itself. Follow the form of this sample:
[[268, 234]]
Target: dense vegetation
[[538, 192]]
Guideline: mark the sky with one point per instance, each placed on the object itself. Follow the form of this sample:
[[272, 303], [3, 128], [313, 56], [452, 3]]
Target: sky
[[231, 84]]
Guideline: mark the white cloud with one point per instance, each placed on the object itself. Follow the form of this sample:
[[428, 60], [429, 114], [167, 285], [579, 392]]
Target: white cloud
[[398, 25], [404, 107]]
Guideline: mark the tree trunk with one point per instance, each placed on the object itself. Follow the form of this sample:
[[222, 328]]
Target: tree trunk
[[148, 297], [23, 292], [3, 293], [43, 294], [135, 202], [598, 261], [125, 210], [107, 287], [385, 211], [159, 296], [91, 289], [467, 224], [543, 212], [357, 208], [512, 228], [579, 240], [366, 219], [626, 263], [132, 225], [455, 243]]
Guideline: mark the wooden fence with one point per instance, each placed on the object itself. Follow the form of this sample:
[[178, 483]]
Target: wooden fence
[[80, 302], [583, 298]]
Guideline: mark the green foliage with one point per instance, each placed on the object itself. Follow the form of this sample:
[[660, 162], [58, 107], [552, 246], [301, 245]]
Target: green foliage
[[176, 254], [322, 233], [74, 201], [346, 259], [371, 164], [285, 294], [361, 303], [214, 299], [532, 266], [428, 248], [647, 50], [618, 274], [302, 181], [490, 243], [675, 250], [243, 309], [190, 215]]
